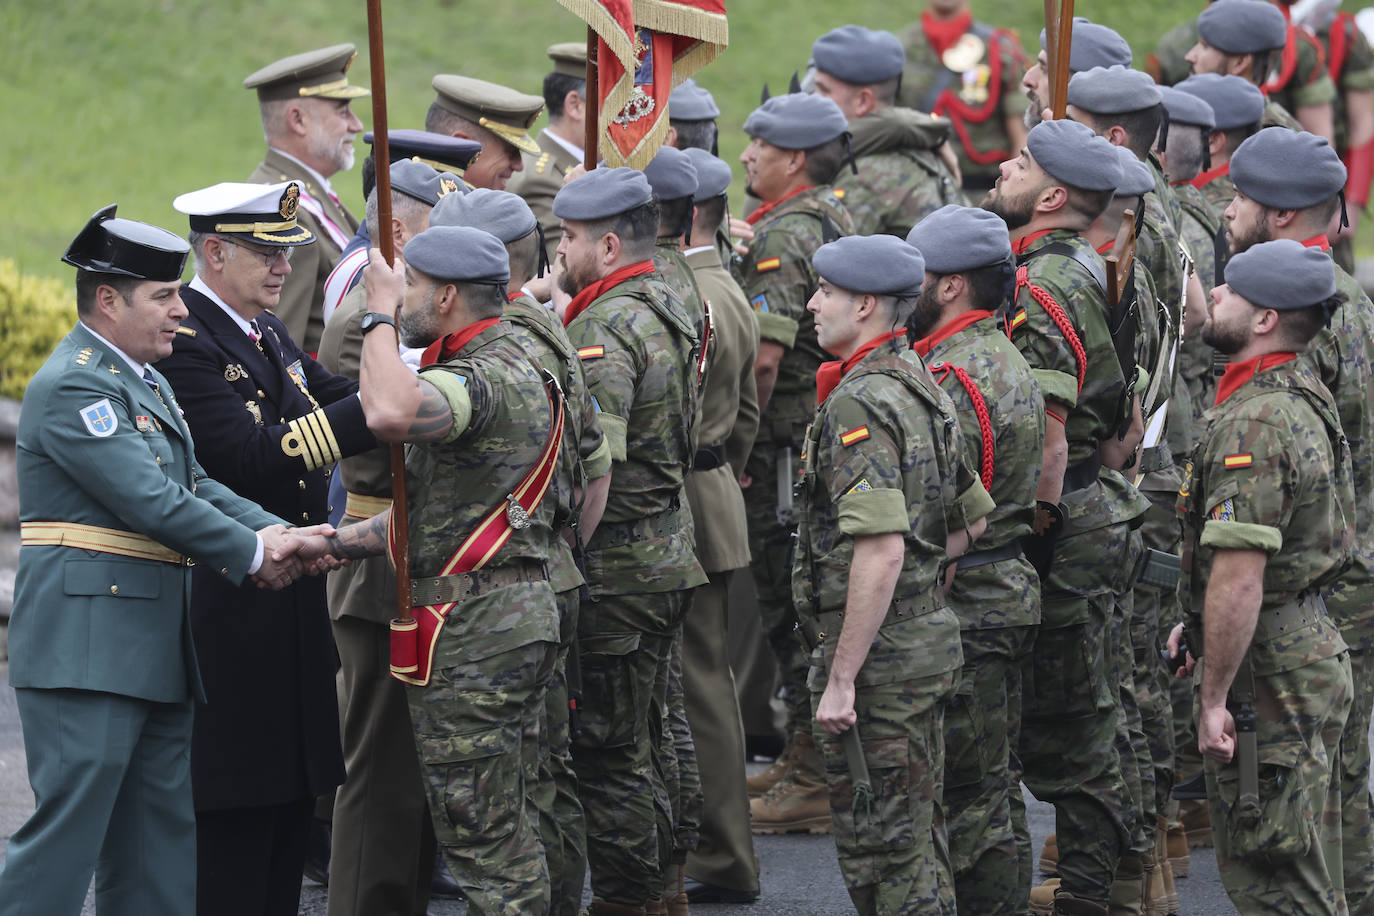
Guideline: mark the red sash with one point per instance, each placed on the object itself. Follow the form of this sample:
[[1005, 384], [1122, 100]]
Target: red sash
[[413, 641]]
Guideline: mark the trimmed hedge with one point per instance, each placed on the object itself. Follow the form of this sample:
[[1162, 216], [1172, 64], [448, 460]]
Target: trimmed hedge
[[35, 313]]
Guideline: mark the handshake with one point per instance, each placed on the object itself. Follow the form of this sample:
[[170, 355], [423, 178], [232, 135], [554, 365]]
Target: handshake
[[289, 553]]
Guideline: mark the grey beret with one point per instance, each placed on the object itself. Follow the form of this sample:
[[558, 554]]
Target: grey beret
[[671, 174], [1287, 169], [1136, 177], [1094, 46], [1282, 274], [1186, 108], [503, 214], [956, 238], [602, 192], [796, 121], [1236, 102], [459, 253], [417, 180], [1112, 90], [1070, 152], [689, 102], [858, 55], [713, 174], [883, 265], [1243, 26]]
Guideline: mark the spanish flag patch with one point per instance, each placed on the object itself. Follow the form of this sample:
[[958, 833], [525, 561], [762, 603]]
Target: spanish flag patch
[[595, 352], [838, 192], [1232, 462], [768, 264], [1018, 319], [857, 434]]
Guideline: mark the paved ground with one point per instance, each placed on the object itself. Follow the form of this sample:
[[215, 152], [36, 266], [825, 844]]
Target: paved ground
[[800, 877]]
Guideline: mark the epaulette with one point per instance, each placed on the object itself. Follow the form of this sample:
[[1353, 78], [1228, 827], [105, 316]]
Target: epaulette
[[189, 332], [83, 356], [541, 163]]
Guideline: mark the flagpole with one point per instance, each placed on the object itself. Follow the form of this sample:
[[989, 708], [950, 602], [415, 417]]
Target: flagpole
[[592, 132], [381, 157]]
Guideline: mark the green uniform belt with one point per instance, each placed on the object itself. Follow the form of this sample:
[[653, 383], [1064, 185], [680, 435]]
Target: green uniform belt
[[651, 527], [898, 610], [1289, 617], [450, 589], [977, 558], [709, 457]]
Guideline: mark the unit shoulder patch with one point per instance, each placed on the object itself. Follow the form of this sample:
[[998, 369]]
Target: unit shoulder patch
[[99, 418]]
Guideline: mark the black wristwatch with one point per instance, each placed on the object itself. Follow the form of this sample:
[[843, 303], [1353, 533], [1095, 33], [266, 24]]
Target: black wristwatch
[[372, 319]]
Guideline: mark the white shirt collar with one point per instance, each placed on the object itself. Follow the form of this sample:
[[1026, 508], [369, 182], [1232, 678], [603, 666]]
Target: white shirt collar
[[204, 289], [698, 248], [139, 368], [323, 182], [574, 150]]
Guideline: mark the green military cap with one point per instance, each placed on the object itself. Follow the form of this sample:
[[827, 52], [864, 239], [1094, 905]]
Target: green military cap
[[321, 74], [569, 58], [504, 112]]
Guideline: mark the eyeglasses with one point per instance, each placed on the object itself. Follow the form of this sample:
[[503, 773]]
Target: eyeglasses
[[269, 257]]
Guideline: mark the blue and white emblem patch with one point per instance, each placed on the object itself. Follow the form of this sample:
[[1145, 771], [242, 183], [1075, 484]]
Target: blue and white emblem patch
[[99, 418], [760, 303]]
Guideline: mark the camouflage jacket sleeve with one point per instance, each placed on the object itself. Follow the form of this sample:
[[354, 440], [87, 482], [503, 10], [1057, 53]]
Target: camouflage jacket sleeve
[[1249, 476], [1311, 84], [864, 461], [612, 373], [777, 279], [592, 446], [468, 393], [1051, 358]]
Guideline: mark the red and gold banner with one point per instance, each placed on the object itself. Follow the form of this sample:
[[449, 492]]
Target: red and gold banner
[[645, 48]]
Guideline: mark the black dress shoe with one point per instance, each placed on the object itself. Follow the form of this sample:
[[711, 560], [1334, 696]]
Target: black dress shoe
[[701, 892], [441, 883], [317, 852]]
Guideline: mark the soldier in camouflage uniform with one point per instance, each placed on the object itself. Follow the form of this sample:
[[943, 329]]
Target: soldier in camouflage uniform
[[795, 152], [382, 850], [579, 488], [1271, 204], [640, 353], [969, 72], [1266, 510], [898, 177], [996, 592], [1047, 196], [1241, 37], [478, 421], [1093, 45], [886, 497]]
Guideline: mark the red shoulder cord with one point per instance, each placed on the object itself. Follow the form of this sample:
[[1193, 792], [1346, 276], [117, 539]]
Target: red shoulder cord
[[1340, 46], [980, 407], [1061, 320], [958, 111]]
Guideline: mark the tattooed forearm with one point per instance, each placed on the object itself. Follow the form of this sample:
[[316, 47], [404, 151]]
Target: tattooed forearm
[[365, 539]]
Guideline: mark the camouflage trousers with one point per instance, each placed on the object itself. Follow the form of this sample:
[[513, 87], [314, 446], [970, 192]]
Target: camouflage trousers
[[1071, 707], [770, 546], [1357, 844], [982, 723], [1155, 611], [1289, 860], [472, 723], [1133, 752], [620, 753], [555, 794], [681, 776], [894, 852]]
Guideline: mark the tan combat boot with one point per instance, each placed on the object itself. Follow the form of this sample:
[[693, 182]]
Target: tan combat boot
[[1042, 897], [674, 894], [760, 783], [1066, 904], [1156, 894], [800, 803], [1128, 888], [1176, 847], [1163, 838], [600, 907], [1049, 856], [1197, 822]]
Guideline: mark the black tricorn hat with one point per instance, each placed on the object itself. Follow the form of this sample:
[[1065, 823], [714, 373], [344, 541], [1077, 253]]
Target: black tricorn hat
[[111, 245]]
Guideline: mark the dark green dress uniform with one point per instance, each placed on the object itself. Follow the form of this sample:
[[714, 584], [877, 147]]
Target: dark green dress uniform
[[778, 279], [1272, 473], [996, 596], [493, 657], [101, 656], [884, 455]]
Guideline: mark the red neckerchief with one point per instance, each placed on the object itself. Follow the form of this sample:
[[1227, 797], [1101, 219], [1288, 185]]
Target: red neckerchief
[[603, 286], [1237, 374], [948, 330], [1205, 178], [511, 297], [830, 373], [763, 211], [1106, 247], [445, 348], [1020, 245], [943, 33], [1317, 241]]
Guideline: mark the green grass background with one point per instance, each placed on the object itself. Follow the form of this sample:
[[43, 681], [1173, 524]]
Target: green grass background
[[137, 101]]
